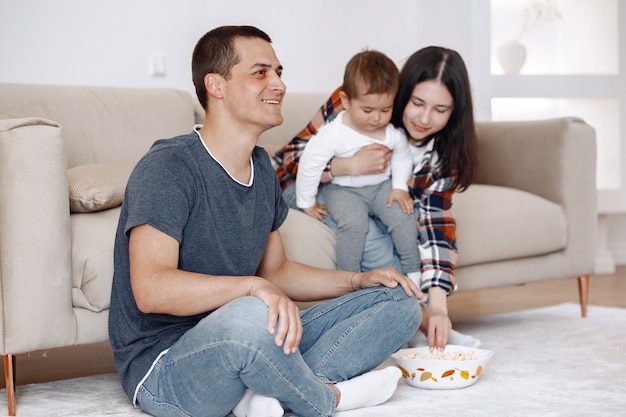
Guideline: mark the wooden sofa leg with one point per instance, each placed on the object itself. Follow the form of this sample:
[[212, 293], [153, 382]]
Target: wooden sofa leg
[[9, 379], [583, 293]]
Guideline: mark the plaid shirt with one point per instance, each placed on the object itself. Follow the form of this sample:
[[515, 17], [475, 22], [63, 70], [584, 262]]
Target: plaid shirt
[[431, 193]]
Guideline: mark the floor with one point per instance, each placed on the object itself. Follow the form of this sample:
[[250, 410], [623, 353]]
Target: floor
[[608, 290]]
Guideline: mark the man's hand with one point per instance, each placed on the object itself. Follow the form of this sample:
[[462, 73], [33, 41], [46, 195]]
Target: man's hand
[[282, 312], [388, 277], [403, 198], [317, 211]]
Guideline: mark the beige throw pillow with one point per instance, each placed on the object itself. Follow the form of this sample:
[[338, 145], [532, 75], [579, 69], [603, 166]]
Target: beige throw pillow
[[95, 187]]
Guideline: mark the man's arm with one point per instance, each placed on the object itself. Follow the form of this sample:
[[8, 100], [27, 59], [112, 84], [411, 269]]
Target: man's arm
[[305, 283], [160, 287]]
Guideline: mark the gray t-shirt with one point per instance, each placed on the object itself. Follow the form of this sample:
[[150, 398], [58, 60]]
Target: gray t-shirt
[[222, 227]]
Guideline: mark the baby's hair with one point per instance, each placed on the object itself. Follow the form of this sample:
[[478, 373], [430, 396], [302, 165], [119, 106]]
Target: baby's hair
[[370, 72]]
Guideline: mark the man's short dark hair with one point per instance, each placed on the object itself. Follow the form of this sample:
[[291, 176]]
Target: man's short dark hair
[[215, 53]]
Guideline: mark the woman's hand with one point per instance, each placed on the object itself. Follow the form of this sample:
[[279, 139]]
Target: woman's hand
[[317, 211], [436, 319], [370, 159], [403, 198], [439, 326]]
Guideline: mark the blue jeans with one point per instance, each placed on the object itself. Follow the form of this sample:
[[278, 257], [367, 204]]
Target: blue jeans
[[379, 251], [206, 372]]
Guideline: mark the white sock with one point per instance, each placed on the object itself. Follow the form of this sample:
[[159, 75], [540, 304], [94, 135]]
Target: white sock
[[255, 405], [458, 338], [369, 389]]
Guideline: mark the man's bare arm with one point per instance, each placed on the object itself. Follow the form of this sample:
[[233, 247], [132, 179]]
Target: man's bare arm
[[304, 283], [160, 287]]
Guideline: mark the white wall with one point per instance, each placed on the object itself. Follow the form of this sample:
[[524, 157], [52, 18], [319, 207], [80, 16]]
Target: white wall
[[109, 42], [86, 42], [96, 42]]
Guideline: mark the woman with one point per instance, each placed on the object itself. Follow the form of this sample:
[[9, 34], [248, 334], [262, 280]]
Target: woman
[[434, 107]]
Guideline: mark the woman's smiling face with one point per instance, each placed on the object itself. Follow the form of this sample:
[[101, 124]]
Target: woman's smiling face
[[428, 110]]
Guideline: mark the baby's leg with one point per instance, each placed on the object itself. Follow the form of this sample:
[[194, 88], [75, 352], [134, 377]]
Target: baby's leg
[[402, 227], [351, 215]]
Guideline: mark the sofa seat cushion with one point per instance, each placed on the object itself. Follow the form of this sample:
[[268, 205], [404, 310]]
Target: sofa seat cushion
[[308, 241], [93, 237], [493, 225]]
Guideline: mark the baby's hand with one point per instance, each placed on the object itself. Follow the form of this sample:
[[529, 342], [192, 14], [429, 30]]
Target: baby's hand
[[317, 211], [403, 198]]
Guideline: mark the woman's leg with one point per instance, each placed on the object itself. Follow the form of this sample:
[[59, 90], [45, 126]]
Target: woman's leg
[[379, 251], [207, 371], [289, 195]]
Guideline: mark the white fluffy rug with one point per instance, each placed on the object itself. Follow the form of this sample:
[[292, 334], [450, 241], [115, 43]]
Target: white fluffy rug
[[548, 362]]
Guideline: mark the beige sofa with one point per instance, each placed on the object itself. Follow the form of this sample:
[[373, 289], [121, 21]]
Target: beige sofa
[[530, 217]]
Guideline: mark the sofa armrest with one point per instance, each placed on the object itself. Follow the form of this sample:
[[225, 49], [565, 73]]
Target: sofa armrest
[[555, 159], [35, 241], [543, 157]]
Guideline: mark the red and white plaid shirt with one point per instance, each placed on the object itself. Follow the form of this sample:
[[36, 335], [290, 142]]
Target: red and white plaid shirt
[[431, 192]]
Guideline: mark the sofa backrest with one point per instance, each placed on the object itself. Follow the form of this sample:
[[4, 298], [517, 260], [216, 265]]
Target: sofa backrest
[[106, 124]]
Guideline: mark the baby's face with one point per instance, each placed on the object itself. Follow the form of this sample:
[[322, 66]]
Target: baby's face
[[370, 113]]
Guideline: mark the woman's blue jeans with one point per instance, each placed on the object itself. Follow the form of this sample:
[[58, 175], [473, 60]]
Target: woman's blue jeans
[[379, 251], [206, 372]]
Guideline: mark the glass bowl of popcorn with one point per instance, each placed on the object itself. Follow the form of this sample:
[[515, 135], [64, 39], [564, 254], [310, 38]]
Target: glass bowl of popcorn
[[454, 367]]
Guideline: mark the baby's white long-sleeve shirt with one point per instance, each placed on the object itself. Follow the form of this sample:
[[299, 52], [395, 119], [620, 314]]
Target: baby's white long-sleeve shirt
[[338, 140]]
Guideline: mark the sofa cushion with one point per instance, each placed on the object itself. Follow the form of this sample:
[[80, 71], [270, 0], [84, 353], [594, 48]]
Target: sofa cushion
[[93, 236], [95, 187], [308, 241], [499, 223], [31, 109], [108, 124]]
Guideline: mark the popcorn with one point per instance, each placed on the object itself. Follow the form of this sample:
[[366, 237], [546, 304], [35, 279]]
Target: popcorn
[[443, 356]]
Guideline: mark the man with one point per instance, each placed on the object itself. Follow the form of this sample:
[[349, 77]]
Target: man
[[203, 319]]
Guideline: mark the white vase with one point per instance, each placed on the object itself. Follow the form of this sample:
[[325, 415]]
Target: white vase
[[512, 56]]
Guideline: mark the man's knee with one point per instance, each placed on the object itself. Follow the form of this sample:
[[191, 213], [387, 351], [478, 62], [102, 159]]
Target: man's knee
[[407, 308], [244, 319]]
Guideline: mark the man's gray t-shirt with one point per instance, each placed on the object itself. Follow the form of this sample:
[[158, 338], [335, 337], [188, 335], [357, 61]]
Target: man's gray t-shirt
[[222, 227]]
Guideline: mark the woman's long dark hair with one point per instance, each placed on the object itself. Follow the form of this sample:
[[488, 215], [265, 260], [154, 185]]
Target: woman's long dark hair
[[456, 143]]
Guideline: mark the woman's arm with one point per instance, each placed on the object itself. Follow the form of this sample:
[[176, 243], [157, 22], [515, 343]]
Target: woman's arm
[[437, 236], [432, 193], [437, 246], [370, 159]]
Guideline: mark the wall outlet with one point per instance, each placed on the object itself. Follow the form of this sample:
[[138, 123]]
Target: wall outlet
[[156, 66]]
